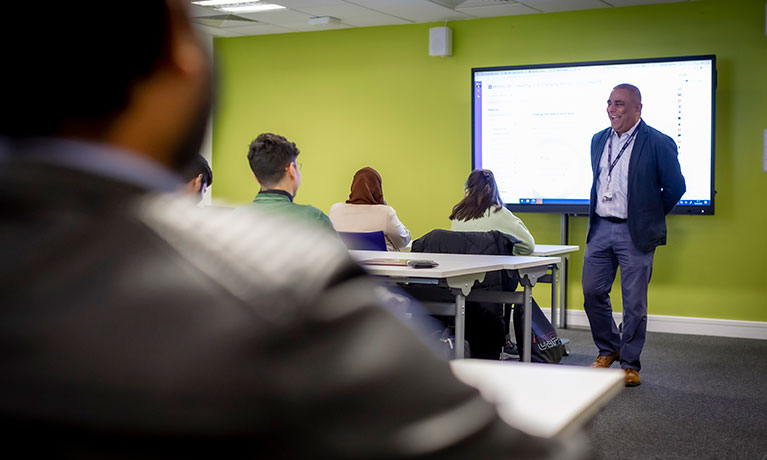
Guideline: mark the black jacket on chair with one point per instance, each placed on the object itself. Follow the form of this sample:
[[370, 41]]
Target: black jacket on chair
[[485, 325], [487, 243]]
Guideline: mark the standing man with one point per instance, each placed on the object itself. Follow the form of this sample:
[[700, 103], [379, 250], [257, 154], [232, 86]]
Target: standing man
[[272, 159], [637, 181]]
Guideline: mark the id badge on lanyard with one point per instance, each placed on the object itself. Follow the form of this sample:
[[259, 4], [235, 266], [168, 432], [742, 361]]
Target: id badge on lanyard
[[608, 195]]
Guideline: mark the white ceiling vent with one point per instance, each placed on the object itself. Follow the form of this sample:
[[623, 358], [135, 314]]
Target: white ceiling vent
[[225, 20]]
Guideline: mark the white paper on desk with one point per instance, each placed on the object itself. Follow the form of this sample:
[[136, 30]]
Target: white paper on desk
[[541, 399]]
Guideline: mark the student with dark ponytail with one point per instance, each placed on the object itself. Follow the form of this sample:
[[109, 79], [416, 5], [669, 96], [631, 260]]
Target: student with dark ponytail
[[482, 210]]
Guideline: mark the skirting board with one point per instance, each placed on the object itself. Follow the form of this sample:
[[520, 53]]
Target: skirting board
[[683, 325]]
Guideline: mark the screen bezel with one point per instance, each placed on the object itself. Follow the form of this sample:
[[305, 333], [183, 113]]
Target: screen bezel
[[583, 209]]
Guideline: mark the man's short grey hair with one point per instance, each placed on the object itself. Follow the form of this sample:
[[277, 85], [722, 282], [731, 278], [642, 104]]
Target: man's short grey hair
[[631, 89]]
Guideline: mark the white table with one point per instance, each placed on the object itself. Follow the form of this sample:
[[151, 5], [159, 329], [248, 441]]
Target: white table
[[532, 397], [458, 272], [557, 294]]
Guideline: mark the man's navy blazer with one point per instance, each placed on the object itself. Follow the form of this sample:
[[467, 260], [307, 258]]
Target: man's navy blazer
[[655, 184]]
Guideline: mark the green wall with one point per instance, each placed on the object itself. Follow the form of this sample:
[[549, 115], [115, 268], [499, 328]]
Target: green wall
[[373, 97]]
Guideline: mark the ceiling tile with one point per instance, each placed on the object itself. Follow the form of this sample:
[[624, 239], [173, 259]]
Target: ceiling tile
[[278, 17], [639, 2], [364, 13], [223, 21], [216, 32], [197, 11], [414, 10], [348, 10], [297, 4], [473, 3], [261, 29], [374, 20], [550, 6], [304, 26], [497, 10]]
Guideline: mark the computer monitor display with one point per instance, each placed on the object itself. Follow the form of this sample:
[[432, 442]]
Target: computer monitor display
[[532, 126]]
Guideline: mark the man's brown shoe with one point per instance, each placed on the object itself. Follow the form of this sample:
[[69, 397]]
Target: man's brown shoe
[[605, 360], [632, 377]]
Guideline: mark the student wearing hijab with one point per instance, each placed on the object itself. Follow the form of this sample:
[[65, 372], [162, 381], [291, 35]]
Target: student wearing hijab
[[366, 211], [482, 210]]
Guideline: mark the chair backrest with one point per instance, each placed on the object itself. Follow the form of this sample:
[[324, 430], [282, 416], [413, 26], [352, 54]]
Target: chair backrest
[[372, 241]]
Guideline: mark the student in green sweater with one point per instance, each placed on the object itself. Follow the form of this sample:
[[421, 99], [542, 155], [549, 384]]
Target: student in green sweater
[[273, 161], [481, 210]]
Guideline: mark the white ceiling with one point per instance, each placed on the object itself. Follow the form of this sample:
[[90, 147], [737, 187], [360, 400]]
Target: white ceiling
[[366, 13]]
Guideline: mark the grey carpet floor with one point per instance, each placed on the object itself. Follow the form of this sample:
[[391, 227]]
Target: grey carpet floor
[[700, 398]]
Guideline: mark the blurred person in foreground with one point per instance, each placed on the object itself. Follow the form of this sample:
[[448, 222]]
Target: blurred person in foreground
[[136, 325]]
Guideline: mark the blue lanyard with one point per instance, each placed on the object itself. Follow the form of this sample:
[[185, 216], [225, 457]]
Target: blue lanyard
[[612, 163]]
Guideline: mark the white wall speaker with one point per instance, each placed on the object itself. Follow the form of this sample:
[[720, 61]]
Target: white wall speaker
[[440, 41]]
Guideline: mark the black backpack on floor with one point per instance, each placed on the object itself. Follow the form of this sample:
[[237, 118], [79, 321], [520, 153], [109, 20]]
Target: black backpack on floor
[[546, 346]]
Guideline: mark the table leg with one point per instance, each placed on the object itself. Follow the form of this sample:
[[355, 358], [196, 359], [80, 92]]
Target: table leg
[[554, 294], [527, 336], [460, 323], [563, 292]]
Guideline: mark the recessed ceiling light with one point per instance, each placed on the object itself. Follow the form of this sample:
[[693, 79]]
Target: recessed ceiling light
[[252, 7], [238, 6], [221, 2]]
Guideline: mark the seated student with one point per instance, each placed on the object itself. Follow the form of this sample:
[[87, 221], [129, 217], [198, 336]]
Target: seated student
[[273, 161], [482, 210], [199, 177], [367, 211]]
